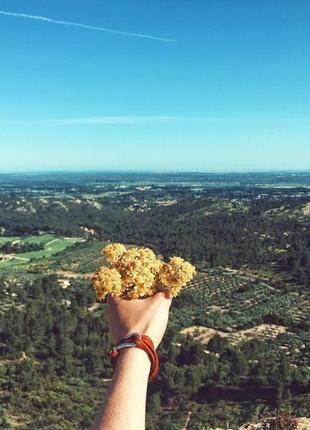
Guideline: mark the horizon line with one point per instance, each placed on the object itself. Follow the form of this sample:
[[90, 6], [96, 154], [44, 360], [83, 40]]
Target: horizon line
[[152, 171]]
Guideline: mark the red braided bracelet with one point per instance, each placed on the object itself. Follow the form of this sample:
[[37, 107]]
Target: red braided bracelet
[[135, 340]]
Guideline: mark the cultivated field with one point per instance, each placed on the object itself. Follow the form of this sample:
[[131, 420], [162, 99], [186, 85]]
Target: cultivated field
[[51, 246], [241, 309]]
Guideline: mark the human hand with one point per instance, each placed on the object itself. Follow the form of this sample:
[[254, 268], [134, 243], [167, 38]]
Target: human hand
[[147, 316]]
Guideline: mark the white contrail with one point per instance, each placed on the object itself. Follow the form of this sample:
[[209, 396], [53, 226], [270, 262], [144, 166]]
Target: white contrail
[[85, 26]]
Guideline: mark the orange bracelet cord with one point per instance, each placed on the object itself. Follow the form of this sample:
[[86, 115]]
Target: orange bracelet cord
[[135, 340]]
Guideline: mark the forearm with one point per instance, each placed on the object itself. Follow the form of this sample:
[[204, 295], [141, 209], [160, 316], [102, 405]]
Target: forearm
[[124, 408]]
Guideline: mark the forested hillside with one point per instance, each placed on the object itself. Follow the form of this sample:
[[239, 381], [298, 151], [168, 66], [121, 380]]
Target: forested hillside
[[237, 345]]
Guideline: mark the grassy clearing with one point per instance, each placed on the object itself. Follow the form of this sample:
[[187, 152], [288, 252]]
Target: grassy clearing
[[10, 239], [52, 245], [42, 238]]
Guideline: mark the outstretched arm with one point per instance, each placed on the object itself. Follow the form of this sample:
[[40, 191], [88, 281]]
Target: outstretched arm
[[125, 404]]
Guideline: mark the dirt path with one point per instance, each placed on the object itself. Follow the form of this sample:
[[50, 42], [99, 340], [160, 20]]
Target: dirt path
[[188, 418], [20, 258], [51, 241]]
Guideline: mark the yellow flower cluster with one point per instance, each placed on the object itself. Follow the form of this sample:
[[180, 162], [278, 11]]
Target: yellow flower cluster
[[175, 274], [107, 281], [138, 269], [137, 272], [113, 252]]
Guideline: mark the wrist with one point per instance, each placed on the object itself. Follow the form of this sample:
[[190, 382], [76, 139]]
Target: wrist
[[133, 357], [138, 342]]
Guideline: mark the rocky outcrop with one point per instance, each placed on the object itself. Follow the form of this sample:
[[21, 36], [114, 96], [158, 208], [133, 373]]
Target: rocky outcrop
[[270, 424]]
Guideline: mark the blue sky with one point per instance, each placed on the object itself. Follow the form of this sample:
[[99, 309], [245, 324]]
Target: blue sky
[[229, 90]]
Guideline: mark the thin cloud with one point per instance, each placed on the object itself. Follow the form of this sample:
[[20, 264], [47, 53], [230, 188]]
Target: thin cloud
[[114, 120], [169, 119], [104, 120], [161, 119], [85, 26]]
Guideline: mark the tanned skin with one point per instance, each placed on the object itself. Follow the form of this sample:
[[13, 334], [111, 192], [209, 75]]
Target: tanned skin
[[124, 408]]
